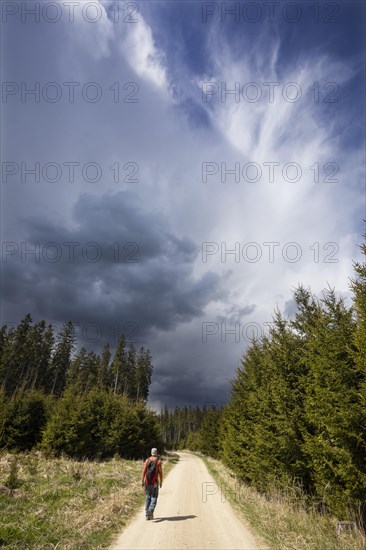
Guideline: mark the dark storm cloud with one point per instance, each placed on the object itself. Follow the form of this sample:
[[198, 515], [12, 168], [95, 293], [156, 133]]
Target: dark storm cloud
[[203, 380], [193, 371], [119, 263]]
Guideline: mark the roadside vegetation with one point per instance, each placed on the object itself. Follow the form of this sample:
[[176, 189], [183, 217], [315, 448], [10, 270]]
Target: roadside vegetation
[[283, 519], [67, 504]]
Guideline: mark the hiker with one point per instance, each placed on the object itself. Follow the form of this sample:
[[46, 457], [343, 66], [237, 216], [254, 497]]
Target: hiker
[[151, 472]]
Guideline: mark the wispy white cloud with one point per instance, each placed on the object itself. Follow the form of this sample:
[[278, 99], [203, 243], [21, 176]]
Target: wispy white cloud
[[133, 40], [139, 49]]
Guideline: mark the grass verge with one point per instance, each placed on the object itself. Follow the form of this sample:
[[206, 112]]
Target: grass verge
[[283, 522], [65, 504]]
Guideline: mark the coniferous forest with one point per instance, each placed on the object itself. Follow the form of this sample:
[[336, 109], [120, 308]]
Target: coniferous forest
[[296, 416], [77, 403]]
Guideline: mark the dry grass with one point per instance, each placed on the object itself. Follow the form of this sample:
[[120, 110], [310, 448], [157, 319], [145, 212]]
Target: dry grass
[[283, 521], [64, 504]]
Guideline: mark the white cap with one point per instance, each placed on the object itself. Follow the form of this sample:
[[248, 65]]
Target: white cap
[[154, 452]]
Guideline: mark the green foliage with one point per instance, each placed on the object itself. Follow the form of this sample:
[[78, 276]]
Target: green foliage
[[178, 426], [100, 424], [61, 359], [87, 405], [334, 416], [358, 286], [15, 356], [131, 371], [193, 441], [210, 432], [192, 428], [297, 409], [31, 358], [23, 418]]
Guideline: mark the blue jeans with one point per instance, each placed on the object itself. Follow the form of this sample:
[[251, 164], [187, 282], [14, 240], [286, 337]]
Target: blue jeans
[[152, 493]]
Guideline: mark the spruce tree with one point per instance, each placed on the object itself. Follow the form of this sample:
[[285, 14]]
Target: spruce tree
[[23, 418], [129, 382], [3, 338], [15, 360], [62, 359], [143, 374], [331, 407], [40, 347], [118, 369], [358, 286], [83, 371], [209, 432], [104, 369]]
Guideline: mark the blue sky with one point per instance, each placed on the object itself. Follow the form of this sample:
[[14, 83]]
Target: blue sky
[[152, 254]]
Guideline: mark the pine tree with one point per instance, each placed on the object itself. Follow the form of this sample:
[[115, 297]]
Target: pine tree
[[210, 432], [90, 377], [118, 369], [62, 359], [331, 408], [83, 371], [358, 286], [100, 424], [284, 419], [3, 338], [164, 421], [6, 338], [23, 417], [245, 444], [261, 426], [143, 374], [104, 369], [40, 346], [15, 360], [129, 382]]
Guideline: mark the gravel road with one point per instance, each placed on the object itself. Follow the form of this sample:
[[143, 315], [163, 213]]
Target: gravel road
[[191, 513]]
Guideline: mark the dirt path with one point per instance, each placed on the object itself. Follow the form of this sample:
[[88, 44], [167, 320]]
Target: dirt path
[[191, 514]]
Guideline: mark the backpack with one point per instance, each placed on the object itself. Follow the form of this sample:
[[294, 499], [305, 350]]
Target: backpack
[[152, 472]]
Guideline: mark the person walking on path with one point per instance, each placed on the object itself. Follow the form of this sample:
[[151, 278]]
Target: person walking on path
[[151, 473]]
